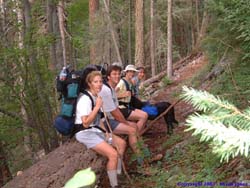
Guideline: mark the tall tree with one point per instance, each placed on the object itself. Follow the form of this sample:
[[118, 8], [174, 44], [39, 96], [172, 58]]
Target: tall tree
[[170, 39], [152, 37], [139, 33], [204, 25], [51, 10], [113, 33], [61, 17], [2, 14], [197, 2], [93, 9], [129, 32], [19, 81]]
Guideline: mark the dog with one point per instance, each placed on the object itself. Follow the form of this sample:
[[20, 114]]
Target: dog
[[169, 117]]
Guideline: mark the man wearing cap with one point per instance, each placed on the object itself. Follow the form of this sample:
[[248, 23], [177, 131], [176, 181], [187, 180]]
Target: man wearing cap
[[124, 93]]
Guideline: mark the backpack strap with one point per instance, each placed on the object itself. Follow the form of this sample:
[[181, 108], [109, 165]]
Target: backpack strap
[[126, 84], [106, 84], [90, 97]]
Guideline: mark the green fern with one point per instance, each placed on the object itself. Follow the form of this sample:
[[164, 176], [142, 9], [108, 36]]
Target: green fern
[[221, 124]]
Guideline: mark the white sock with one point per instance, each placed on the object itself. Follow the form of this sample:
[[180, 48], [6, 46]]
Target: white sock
[[112, 174], [119, 166]]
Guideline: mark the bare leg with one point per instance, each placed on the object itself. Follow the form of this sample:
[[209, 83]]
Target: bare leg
[[132, 135], [108, 151], [140, 117]]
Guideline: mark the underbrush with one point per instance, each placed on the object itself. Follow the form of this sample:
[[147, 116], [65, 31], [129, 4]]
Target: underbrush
[[188, 162]]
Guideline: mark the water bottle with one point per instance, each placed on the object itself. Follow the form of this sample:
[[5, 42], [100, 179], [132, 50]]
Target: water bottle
[[109, 140], [63, 74]]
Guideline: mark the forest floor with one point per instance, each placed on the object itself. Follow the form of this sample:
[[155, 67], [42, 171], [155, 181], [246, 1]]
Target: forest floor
[[186, 161]]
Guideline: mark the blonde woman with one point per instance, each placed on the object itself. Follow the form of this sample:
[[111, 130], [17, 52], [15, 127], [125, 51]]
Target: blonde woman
[[93, 135]]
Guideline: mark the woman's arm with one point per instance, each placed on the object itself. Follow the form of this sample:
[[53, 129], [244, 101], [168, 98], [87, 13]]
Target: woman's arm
[[87, 120]]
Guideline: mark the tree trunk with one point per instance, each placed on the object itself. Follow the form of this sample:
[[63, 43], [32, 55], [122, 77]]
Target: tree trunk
[[113, 34], [129, 32], [5, 174], [170, 38], [93, 8], [204, 25], [2, 15], [51, 8], [197, 16], [152, 38], [61, 17], [139, 34], [20, 83], [108, 41]]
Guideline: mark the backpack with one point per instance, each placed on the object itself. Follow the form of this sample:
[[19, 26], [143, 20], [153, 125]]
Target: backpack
[[69, 91]]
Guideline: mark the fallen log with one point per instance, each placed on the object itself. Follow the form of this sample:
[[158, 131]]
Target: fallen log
[[176, 66], [58, 167]]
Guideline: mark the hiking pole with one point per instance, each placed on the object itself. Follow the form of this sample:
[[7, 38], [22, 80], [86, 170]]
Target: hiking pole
[[123, 165], [161, 115]]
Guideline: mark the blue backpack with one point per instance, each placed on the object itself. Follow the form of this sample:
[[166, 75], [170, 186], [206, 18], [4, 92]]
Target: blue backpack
[[150, 110]]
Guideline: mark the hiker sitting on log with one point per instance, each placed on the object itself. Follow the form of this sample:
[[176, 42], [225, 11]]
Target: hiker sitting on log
[[124, 94], [93, 135], [153, 110]]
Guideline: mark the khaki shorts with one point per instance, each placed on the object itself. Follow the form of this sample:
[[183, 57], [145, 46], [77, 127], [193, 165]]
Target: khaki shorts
[[90, 137]]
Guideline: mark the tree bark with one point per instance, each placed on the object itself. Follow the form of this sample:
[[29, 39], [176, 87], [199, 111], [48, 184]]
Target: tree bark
[[204, 26], [139, 34], [93, 8], [152, 38], [5, 174], [61, 17], [59, 166], [2, 16], [113, 34], [129, 32], [20, 83], [170, 39], [197, 16], [51, 8]]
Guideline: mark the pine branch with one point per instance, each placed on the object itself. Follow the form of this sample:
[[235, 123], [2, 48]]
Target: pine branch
[[224, 126], [10, 114], [226, 141], [220, 110]]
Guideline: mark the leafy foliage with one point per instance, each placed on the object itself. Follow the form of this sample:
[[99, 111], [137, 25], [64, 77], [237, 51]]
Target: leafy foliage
[[221, 124]]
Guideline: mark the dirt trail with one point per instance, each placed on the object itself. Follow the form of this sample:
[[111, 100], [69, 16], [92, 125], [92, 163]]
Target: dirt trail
[[181, 75]]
